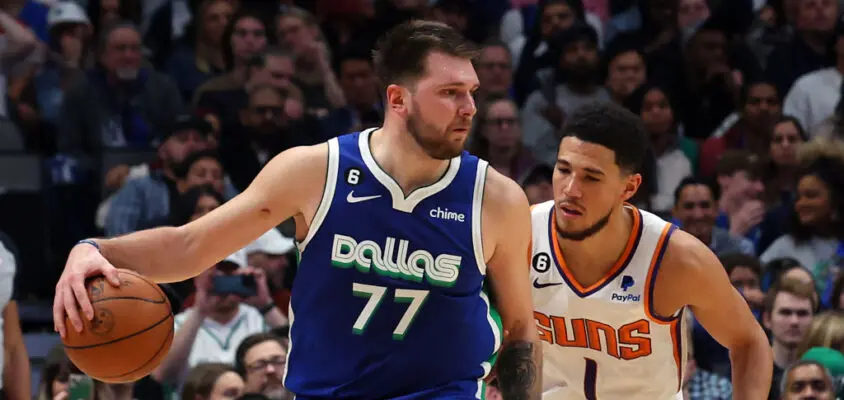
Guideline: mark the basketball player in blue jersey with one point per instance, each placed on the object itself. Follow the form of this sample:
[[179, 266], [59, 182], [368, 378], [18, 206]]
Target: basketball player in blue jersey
[[612, 282], [398, 230]]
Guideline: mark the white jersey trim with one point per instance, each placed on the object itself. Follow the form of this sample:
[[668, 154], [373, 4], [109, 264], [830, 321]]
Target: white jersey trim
[[477, 209], [327, 192], [290, 318], [400, 202], [480, 261]]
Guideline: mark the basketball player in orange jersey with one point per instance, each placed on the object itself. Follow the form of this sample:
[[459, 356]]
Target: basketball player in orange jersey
[[399, 231], [612, 282]]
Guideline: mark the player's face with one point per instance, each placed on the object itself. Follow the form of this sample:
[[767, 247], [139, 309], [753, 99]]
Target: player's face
[[439, 110], [588, 186]]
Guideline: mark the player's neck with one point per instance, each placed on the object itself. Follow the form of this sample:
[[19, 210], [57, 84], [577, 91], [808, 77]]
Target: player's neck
[[783, 355], [398, 154], [599, 252]]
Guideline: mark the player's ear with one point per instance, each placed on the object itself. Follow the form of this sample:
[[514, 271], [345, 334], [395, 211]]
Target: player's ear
[[397, 98], [631, 185]]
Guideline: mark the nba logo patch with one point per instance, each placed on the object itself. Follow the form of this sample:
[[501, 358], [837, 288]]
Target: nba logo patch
[[627, 282]]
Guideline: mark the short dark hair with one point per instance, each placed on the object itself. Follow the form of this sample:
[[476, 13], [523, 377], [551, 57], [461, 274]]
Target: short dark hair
[[181, 170], [252, 91], [694, 181], [613, 127], [259, 60], [735, 260], [783, 383], [734, 161], [744, 92], [250, 342], [399, 55], [351, 52], [185, 205]]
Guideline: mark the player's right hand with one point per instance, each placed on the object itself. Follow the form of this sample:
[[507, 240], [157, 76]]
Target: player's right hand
[[83, 261]]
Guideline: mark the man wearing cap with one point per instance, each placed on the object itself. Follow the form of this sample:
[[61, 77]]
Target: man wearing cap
[[146, 200], [833, 361], [271, 253], [212, 328]]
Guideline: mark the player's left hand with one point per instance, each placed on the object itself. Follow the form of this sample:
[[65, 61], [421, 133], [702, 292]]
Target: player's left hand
[[264, 296]]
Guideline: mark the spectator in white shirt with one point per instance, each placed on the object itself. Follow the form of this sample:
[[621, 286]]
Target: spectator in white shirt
[[214, 326], [814, 95]]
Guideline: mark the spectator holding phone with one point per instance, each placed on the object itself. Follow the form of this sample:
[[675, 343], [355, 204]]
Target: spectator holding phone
[[232, 301]]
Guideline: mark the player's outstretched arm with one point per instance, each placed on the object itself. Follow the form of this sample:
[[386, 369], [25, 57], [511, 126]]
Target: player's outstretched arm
[[169, 254], [506, 225], [693, 276]]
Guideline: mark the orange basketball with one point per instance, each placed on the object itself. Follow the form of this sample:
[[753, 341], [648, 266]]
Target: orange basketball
[[130, 334]]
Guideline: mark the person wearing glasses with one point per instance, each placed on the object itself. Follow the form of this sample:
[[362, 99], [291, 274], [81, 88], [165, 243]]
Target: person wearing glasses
[[260, 359]]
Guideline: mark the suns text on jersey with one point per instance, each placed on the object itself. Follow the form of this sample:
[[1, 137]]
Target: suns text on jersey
[[394, 261], [627, 342]]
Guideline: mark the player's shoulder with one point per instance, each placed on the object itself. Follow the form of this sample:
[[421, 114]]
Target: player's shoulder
[[685, 256], [502, 193]]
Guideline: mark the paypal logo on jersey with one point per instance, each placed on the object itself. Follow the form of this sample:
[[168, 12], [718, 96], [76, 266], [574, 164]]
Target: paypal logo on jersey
[[440, 213], [393, 260], [626, 283]]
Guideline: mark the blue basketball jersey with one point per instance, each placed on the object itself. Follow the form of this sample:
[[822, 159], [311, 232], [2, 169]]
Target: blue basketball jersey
[[388, 301]]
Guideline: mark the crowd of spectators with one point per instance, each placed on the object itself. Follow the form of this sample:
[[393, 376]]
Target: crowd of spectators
[[120, 115]]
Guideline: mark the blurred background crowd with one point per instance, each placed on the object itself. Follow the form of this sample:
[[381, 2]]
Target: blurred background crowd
[[120, 115]]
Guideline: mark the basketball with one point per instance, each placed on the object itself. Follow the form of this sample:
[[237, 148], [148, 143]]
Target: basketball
[[130, 333]]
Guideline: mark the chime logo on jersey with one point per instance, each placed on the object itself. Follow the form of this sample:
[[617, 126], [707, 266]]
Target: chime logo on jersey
[[393, 260], [627, 342]]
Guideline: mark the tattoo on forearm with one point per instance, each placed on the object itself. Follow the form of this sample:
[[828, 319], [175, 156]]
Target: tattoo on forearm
[[518, 373]]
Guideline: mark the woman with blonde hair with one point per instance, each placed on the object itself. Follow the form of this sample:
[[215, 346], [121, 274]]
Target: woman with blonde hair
[[827, 330]]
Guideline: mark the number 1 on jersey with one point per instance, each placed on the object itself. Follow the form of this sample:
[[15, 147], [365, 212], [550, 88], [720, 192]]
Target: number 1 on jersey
[[375, 295], [590, 379]]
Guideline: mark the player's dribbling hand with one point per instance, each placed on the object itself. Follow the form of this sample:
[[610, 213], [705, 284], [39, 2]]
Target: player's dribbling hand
[[84, 261]]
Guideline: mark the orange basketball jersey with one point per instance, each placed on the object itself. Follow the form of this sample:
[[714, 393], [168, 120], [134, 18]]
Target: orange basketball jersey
[[605, 341]]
